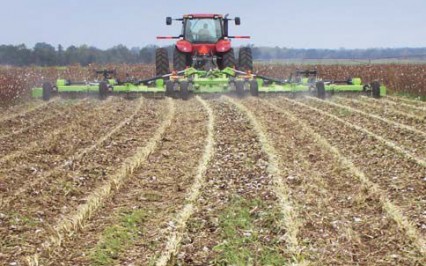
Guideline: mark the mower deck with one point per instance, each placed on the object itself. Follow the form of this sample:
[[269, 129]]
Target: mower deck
[[204, 82]]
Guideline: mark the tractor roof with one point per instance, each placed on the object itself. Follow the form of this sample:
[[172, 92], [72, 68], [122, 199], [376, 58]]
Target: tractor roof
[[203, 16]]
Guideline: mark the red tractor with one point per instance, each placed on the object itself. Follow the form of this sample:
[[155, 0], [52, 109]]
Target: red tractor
[[204, 44]]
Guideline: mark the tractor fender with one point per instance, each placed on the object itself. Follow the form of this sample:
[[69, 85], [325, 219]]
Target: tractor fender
[[223, 46], [184, 46]]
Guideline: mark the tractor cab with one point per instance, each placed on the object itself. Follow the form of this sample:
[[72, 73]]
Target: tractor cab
[[198, 30]]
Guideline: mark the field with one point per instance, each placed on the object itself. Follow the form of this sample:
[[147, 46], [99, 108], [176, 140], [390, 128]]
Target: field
[[213, 180]]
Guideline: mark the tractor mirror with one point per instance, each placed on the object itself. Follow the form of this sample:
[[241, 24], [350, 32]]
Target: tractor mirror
[[237, 21], [169, 21]]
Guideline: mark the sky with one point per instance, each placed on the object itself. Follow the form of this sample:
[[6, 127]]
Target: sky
[[329, 24]]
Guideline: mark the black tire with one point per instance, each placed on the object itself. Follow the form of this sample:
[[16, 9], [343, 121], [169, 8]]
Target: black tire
[[47, 91], [103, 90], [320, 89], [180, 60], [239, 87], [245, 59], [162, 66], [375, 87], [254, 88], [184, 90], [366, 87], [170, 88], [228, 60]]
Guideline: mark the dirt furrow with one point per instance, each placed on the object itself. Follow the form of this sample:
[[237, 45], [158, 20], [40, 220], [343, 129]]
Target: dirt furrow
[[405, 105], [399, 107], [342, 223], [154, 193], [22, 110], [10, 131], [75, 141], [402, 151], [237, 219], [66, 113], [52, 135], [58, 151], [17, 126], [12, 109], [377, 108], [49, 202], [401, 178], [404, 136], [416, 103]]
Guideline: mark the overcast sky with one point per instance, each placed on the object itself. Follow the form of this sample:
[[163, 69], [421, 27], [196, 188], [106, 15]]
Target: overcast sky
[[296, 23]]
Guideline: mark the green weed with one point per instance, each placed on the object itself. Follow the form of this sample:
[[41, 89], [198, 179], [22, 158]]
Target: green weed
[[244, 230], [117, 237]]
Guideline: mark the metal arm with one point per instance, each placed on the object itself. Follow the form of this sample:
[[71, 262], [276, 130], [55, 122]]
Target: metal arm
[[149, 80]]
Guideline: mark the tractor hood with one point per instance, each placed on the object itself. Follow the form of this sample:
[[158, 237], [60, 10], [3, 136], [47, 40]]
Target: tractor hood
[[222, 46]]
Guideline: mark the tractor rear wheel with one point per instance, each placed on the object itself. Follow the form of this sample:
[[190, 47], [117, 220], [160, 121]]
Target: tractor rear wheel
[[228, 60], [180, 60], [375, 86], [161, 62], [320, 89], [239, 87], [47, 91], [245, 59]]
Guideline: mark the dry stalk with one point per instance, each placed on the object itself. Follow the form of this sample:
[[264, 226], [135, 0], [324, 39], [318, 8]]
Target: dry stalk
[[413, 108], [77, 157], [175, 237], [402, 99], [39, 122], [28, 110], [387, 121], [33, 145], [290, 221], [374, 105], [113, 131], [388, 143], [74, 222], [394, 105], [392, 210]]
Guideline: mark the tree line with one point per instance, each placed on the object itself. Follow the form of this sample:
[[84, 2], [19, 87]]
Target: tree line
[[43, 54]]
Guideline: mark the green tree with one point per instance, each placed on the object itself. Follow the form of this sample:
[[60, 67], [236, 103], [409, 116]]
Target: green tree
[[44, 54]]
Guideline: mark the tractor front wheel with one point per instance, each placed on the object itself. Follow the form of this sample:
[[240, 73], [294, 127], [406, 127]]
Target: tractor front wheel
[[245, 59], [161, 62]]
